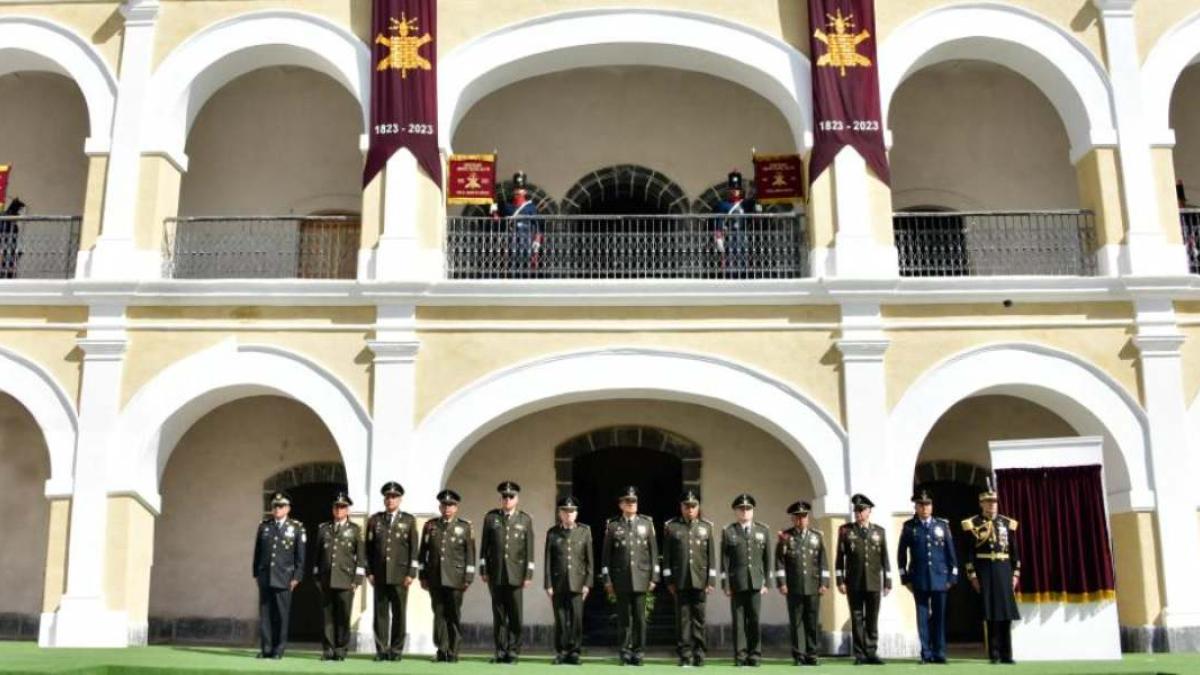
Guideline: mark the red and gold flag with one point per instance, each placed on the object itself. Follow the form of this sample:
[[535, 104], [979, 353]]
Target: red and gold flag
[[5, 170], [404, 85], [845, 79], [778, 179], [472, 179]]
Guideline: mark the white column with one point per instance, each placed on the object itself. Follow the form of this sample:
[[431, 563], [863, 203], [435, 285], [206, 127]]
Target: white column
[[1146, 250], [116, 255], [83, 618], [1158, 342], [856, 252], [399, 255]]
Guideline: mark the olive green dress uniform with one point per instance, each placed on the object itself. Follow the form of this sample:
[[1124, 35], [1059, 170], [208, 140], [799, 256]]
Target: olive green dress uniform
[[392, 547], [746, 568], [569, 570], [992, 559], [339, 570], [629, 561], [506, 559], [862, 564], [690, 569], [801, 567], [447, 559], [279, 549]]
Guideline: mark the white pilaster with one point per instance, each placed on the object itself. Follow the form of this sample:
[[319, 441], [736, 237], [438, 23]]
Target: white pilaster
[[1146, 251], [856, 252], [1158, 342], [399, 255], [83, 618], [116, 255]]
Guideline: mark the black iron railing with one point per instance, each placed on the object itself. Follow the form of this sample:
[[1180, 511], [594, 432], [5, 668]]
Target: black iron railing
[[985, 243], [261, 247], [750, 246], [1189, 221], [38, 247]]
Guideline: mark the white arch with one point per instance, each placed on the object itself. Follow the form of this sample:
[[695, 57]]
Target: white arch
[[1177, 49], [32, 43], [1082, 394], [451, 429], [228, 49], [53, 410], [627, 37], [162, 410], [1063, 68]]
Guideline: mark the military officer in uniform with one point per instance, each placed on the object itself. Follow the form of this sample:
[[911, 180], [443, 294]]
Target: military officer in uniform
[[506, 566], [863, 574], [629, 567], [994, 569], [928, 567], [447, 560], [746, 570], [568, 579], [391, 567], [278, 569], [689, 570], [339, 572], [802, 574]]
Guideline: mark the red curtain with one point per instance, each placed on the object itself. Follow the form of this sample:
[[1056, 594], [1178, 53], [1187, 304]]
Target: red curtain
[[1062, 533]]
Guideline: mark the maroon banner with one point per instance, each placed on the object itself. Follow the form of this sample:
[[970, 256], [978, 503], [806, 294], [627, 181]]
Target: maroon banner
[[845, 78], [5, 169], [778, 179], [404, 85], [472, 179]]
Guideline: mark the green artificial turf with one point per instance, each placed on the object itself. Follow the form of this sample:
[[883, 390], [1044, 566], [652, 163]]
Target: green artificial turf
[[24, 657]]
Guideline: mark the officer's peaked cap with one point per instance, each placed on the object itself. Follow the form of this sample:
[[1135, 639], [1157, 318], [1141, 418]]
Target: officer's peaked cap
[[342, 499], [801, 508], [568, 503], [281, 499], [861, 502], [689, 497], [628, 494], [744, 500], [508, 488], [449, 496], [392, 488]]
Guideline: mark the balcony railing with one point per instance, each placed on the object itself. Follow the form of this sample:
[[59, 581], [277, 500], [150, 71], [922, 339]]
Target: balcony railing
[[261, 247], [751, 246], [1189, 220], [978, 243], [38, 247]]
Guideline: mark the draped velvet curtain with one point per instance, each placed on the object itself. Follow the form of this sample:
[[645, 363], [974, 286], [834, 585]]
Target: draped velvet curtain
[[1062, 532]]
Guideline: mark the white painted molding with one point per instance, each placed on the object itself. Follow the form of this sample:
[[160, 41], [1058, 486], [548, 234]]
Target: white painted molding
[[1040, 453], [1177, 49], [51, 408], [627, 36]]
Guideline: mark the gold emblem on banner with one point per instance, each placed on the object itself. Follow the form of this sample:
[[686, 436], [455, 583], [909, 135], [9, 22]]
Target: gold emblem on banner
[[404, 47], [473, 183], [842, 44]]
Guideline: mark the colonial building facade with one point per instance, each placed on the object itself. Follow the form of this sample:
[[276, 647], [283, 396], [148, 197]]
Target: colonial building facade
[[202, 305]]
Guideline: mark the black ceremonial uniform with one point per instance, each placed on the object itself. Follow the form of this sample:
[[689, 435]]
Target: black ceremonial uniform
[[278, 561], [339, 571], [629, 561], [802, 569], [746, 569], [506, 560], [862, 565], [569, 571], [993, 560], [392, 548], [447, 559], [690, 570]]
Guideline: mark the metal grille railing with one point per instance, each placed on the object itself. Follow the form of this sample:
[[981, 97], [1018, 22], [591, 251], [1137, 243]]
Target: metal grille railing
[[750, 246], [261, 247], [977, 243], [38, 247], [1189, 221]]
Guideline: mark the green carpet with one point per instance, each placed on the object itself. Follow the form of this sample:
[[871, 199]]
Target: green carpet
[[24, 657]]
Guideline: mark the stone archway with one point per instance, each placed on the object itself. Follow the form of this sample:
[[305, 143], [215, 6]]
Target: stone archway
[[303, 474], [640, 437], [603, 191]]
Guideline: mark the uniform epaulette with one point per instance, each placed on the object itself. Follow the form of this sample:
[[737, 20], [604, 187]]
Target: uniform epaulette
[[969, 523], [708, 522], [943, 520], [583, 525], [673, 520], [1012, 523], [465, 521], [495, 511]]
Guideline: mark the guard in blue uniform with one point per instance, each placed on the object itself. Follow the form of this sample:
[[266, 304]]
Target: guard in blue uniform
[[278, 568], [522, 225], [928, 568], [731, 231]]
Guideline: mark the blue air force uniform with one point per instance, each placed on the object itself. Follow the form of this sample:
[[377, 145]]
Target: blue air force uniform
[[929, 567], [278, 561]]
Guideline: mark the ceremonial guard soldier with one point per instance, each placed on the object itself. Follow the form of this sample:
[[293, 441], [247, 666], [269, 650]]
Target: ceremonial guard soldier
[[863, 574], [391, 567], [746, 570], [568, 579], [506, 566], [629, 567], [339, 571], [730, 233], [994, 569], [520, 213], [278, 569], [802, 574], [928, 567], [447, 560], [690, 571]]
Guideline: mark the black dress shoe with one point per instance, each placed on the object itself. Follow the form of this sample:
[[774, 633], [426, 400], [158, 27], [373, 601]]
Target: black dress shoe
[[698, 660], [812, 661], [277, 657], [1008, 661], [738, 663], [636, 660], [874, 660], [940, 660], [327, 657], [754, 661], [261, 655], [858, 660], [573, 659], [685, 662], [797, 661], [382, 657]]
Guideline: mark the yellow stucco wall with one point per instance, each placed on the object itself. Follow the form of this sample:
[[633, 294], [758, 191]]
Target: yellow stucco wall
[[1154, 19], [963, 433], [451, 359], [1168, 205], [1190, 311], [1135, 563], [154, 344], [913, 352], [55, 583], [24, 469], [98, 23], [1100, 192], [130, 549], [51, 348]]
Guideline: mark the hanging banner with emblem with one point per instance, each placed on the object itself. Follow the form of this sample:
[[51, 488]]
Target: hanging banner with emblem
[[5, 170], [471, 180], [845, 79], [778, 179], [404, 85]]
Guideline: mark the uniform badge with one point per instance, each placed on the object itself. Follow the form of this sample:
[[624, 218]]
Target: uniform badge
[[458, 529], [703, 531], [759, 536], [641, 530], [875, 537], [290, 532], [939, 532]]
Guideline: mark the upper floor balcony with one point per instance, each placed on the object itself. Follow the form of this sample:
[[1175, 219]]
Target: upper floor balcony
[[38, 247], [261, 247]]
